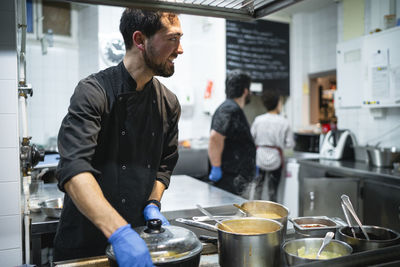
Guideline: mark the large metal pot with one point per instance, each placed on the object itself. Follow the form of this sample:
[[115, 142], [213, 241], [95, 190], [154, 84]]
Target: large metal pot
[[254, 241], [380, 237], [169, 246], [268, 210]]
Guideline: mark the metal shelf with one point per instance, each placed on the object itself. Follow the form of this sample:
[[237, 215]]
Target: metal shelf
[[228, 9]]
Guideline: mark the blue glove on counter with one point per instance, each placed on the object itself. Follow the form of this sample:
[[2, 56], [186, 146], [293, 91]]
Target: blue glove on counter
[[215, 174], [129, 248], [151, 212]]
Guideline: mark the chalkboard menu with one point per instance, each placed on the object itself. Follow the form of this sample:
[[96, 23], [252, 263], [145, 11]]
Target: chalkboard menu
[[260, 48]]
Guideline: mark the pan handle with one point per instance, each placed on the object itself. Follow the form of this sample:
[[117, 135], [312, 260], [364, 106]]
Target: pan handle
[[201, 225]]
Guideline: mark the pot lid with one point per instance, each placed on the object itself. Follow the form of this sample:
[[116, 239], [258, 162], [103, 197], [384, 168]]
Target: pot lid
[[169, 243]]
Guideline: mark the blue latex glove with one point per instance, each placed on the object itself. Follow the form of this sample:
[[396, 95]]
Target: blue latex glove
[[257, 171], [129, 248], [151, 212], [215, 174]]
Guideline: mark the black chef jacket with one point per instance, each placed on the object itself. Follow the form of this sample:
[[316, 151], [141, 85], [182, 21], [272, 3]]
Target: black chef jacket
[[126, 139], [238, 156]]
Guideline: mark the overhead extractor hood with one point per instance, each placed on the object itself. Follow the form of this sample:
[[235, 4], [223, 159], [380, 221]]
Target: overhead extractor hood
[[228, 9]]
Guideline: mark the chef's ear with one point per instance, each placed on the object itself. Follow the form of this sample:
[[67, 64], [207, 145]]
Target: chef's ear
[[138, 40]]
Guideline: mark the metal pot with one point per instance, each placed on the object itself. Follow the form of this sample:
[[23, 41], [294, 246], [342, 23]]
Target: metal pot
[[254, 242], [268, 210], [310, 247], [383, 157], [168, 245], [52, 207], [380, 237]]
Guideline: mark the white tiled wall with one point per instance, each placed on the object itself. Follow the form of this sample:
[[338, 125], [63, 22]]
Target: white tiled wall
[[313, 50], [88, 40], [371, 130], [323, 39], [10, 214]]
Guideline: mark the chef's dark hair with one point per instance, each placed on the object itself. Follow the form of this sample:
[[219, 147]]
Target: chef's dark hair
[[235, 83], [270, 99], [148, 22]]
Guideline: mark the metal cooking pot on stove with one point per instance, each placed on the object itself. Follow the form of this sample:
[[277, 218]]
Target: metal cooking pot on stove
[[254, 241], [380, 237], [268, 210], [168, 245]]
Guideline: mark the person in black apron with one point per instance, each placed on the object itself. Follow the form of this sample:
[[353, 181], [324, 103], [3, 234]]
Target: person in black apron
[[231, 147], [271, 133], [118, 145]]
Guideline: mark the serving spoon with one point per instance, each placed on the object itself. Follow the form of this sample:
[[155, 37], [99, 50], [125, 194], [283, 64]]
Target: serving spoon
[[213, 218], [346, 201], [328, 237]]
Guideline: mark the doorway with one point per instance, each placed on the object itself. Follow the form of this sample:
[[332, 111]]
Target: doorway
[[322, 91]]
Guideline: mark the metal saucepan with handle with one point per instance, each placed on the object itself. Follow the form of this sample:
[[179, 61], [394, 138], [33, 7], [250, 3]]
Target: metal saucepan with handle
[[253, 242], [169, 245]]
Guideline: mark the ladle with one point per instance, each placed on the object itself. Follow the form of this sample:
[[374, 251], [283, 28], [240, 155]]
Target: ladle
[[328, 237], [213, 218], [346, 201], [248, 213]]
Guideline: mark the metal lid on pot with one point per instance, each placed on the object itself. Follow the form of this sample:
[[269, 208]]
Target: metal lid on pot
[[169, 243]]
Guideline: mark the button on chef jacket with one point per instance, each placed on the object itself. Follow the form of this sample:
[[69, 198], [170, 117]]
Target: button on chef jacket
[[126, 138]]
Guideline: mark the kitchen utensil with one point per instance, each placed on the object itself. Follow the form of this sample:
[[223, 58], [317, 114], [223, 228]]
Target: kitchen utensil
[[246, 212], [254, 242], [168, 245], [379, 237], [313, 226], [346, 201], [383, 157], [268, 210], [328, 237], [346, 215], [52, 207], [212, 218], [309, 246]]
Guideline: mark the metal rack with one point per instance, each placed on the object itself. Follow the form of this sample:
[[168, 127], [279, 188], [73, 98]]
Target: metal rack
[[228, 9]]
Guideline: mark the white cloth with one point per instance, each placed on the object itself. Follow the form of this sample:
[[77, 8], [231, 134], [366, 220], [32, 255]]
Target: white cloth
[[271, 130]]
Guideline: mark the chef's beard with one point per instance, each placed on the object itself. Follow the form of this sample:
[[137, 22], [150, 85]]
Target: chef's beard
[[160, 69]]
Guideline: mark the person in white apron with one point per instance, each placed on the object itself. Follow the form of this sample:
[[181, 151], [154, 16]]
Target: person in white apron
[[272, 134]]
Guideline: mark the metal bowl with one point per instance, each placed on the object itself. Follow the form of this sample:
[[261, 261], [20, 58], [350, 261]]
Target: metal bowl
[[311, 245], [380, 237], [52, 207], [313, 226]]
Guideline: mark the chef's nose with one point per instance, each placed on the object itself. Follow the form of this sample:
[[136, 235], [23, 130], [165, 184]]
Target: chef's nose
[[180, 49]]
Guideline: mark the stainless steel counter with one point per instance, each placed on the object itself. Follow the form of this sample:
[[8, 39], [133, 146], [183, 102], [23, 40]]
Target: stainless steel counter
[[354, 168], [185, 192]]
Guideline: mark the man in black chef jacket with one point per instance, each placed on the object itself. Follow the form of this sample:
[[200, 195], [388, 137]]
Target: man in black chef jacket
[[231, 147], [118, 145]]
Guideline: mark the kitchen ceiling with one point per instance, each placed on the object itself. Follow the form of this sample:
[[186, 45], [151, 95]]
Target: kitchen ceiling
[[228, 9]]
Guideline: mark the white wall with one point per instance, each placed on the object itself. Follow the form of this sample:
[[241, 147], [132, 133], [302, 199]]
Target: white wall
[[369, 127], [10, 208], [313, 37]]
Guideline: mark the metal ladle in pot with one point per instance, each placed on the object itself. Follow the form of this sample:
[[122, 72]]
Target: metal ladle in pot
[[328, 237], [213, 218], [248, 213], [346, 201]]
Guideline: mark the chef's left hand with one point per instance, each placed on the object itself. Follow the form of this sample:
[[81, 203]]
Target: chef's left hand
[[151, 212]]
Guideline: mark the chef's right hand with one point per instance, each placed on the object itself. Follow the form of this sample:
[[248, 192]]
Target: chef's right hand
[[129, 248], [215, 174]]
